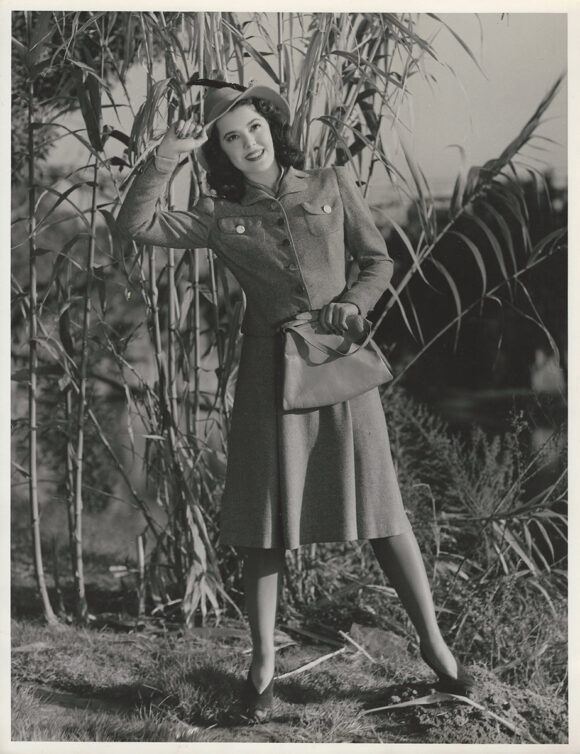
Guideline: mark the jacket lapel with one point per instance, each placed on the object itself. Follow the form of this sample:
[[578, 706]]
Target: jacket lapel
[[293, 182]]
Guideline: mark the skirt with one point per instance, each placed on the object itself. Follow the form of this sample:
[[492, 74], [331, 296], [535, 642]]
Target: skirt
[[300, 477]]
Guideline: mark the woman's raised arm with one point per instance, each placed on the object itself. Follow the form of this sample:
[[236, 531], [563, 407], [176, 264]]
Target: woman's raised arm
[[141, 216]]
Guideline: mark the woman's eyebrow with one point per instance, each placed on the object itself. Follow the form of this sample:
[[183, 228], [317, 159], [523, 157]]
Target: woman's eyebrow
[[249, 123]]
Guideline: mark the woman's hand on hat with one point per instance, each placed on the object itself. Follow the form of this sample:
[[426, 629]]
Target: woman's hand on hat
[[182, 136], [334, 316]]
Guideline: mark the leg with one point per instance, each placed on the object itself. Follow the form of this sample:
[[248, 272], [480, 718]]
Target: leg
[[262, 570], [400, 558]]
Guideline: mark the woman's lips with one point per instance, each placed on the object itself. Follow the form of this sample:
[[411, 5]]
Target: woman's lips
[[255, 155]]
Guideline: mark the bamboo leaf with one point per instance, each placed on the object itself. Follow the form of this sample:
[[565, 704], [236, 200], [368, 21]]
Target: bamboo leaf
[[504, 533], [393, 21], [62, 197], [458, 39], [547, 241], [455, 293], [416, 262], [506, 233], [492, 241], [394, 293], [477, 256], [86, 97], [257, 56]]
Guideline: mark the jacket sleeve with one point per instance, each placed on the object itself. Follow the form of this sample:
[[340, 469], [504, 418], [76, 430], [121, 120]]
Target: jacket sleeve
[[143, 219], [364, 241]]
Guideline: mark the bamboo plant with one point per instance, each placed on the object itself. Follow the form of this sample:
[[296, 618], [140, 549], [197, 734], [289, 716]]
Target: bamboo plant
[[346, 77]]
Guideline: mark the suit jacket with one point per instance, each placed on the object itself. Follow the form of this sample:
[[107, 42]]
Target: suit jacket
[[288, 251]]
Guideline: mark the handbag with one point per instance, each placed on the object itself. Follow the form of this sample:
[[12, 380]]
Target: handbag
[[322, 368]]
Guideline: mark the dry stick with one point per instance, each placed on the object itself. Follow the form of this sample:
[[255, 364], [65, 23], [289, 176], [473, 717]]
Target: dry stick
[[440, 696], [312, 664], [33, 366], [358, 646]]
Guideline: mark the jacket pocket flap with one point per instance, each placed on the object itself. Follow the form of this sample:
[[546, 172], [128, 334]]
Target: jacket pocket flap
[[321, 207], [238, 225]]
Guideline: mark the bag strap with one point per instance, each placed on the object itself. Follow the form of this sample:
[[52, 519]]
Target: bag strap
[[296, 326]]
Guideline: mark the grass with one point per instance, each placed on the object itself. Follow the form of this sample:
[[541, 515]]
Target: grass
[[72, 684]]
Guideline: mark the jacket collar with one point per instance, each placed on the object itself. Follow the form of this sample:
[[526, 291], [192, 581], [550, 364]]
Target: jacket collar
[[292, 182]]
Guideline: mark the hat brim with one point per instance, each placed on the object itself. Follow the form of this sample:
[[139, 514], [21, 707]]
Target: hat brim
[[258, 91]]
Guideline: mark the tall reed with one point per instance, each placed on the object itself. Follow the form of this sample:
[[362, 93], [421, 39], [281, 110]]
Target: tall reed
[[346, 77], [33, 337]]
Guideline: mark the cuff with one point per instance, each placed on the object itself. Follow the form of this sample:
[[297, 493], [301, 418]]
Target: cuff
[[350, 297], [165, 164]]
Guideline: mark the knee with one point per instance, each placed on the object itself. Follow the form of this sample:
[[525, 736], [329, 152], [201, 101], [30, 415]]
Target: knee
[[260, 553]]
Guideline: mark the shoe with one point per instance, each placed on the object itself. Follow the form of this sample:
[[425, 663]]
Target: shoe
[[257, 708], [462, 685]]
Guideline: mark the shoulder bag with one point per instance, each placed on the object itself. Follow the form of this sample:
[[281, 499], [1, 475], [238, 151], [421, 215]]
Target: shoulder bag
[[322, 368]]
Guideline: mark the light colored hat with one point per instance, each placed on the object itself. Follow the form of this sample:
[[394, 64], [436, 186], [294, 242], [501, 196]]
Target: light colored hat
[[218, 102]]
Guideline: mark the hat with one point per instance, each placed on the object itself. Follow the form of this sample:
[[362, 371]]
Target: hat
[[220, 101]]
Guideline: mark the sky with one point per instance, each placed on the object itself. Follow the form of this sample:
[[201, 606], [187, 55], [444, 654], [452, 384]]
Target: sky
[[520, 56]]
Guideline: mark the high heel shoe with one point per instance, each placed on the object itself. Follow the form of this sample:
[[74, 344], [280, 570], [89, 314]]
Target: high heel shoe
[[462, 685], [257, 707]]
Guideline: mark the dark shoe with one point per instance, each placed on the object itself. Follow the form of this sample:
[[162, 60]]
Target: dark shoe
[[257, 708], [461, 685]]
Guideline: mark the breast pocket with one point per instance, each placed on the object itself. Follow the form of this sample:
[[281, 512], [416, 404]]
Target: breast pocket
[[240, 230], [322, 217]]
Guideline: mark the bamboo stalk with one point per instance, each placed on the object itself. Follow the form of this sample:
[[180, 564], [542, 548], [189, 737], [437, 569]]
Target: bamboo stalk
[[172, 304], [196, 344], [33, 365], [80, 597], [140, 576], [70, 475], [280, 50], [56, 578]]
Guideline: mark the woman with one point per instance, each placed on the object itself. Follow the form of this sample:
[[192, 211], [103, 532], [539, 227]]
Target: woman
[[293, 477]]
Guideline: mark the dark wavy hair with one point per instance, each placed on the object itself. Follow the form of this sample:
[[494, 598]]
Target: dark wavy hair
[[225, 179]]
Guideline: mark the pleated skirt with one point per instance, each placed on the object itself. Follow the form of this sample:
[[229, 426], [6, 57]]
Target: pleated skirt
[[300, 477]]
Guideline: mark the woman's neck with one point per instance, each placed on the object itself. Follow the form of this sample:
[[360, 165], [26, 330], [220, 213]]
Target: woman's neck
[[268, 179]]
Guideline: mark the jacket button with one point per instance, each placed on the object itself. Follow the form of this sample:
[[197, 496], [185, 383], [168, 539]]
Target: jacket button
[[240, 229], [292, 267], [285, 242], [327, 209], [273, 205]]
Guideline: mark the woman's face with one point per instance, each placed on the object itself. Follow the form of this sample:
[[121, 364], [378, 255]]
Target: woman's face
[[245, 137]]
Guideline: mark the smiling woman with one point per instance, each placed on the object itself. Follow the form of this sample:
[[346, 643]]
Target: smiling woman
[[294, 477]]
